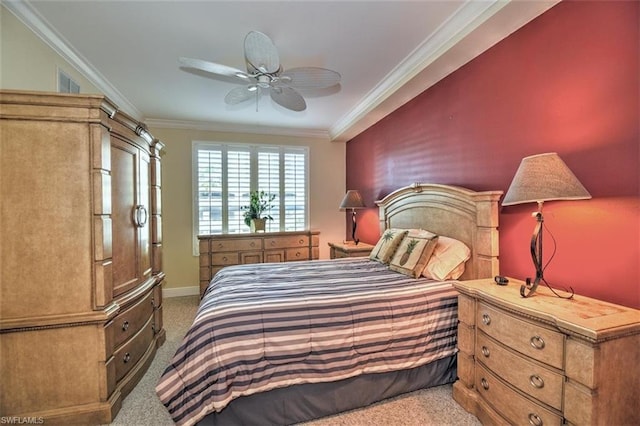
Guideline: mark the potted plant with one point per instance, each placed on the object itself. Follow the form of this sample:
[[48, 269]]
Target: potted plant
[[259, 203]]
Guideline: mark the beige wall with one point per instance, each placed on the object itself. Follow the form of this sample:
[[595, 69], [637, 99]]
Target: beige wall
[[326, 187], [27, 63]]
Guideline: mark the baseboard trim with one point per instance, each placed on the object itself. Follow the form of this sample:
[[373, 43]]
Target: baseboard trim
[[181, 291]]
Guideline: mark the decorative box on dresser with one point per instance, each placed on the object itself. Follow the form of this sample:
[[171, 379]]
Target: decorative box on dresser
[[80, 257], [220, 250], [545, 360]]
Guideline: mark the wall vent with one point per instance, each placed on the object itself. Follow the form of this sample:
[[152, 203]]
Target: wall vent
[[66, 83]]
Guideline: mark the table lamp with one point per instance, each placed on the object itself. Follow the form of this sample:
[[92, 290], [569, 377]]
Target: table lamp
[[352, 200], [540, 178]]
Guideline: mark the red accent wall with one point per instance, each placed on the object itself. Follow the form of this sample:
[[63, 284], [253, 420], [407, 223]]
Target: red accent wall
[[567, 82]]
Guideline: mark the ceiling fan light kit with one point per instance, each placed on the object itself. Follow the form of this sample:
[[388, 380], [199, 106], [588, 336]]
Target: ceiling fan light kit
[[264, 72]]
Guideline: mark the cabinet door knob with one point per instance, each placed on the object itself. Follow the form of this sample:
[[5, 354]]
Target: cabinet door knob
[[485, 351], [126, 358], [536, 381], [537, 342], [125, 326], [486, 319], [484, 383], [535, 420]]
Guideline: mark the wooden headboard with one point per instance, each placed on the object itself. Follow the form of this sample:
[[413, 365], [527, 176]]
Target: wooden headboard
[[452, 211]]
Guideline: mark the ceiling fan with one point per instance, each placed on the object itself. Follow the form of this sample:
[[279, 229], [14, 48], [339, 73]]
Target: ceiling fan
[[264, 72]]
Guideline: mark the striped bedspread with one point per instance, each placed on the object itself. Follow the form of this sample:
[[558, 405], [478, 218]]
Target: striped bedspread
[[266, 326]]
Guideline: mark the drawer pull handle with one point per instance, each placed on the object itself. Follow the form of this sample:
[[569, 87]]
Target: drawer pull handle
[[125, 326], [301, 241], [224, 258], [220, 245], [126, 357], [537, 342], [486, 319], [536, 381], [253, 244], [484, 383], [535, 420], [485, 351], [297, 254], [273, 243]]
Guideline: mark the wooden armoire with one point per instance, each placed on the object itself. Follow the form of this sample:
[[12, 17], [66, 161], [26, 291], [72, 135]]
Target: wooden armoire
[[80, 256]]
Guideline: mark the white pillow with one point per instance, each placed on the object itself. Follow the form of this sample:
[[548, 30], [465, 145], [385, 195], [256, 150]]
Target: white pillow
[[448, 260]]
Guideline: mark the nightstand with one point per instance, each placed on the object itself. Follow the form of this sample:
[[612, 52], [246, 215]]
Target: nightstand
[[349, 249], [543, 360]]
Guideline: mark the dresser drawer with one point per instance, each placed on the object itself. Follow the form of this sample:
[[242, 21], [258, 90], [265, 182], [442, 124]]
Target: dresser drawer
[[297, 254], [236, 244], [130, 353], [128, 322], [534, 380], [514, 407], [225, 259], [286, 241], [535, 341]]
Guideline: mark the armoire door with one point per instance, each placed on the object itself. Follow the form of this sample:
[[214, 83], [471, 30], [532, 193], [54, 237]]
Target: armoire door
[[130, 195]]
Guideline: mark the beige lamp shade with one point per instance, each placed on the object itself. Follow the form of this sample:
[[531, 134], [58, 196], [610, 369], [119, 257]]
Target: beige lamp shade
[[544, 177], [352, 200]]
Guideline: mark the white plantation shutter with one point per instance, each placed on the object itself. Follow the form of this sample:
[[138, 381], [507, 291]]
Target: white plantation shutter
[[209, 191], [225, 174], [295, 184], [238, 178], [269, 182]]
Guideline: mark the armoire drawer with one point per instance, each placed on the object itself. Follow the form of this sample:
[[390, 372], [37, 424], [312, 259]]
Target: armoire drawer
[[533, 340], [130, 353], [514, 407], [531, 378], [131, 320]]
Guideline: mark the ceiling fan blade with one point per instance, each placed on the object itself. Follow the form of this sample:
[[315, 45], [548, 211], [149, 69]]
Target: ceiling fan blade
[[214, 68], [310, 78], [288, 98], [240, 94], [261, 53]]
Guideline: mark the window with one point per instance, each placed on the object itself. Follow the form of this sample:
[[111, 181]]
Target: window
[[225, 174]]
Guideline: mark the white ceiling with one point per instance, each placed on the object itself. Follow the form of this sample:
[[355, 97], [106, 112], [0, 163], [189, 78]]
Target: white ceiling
[[386, 51]]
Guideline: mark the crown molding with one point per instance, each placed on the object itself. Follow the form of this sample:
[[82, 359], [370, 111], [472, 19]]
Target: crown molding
[[467, 18], [237, 128], [474, 28], [23, 10]]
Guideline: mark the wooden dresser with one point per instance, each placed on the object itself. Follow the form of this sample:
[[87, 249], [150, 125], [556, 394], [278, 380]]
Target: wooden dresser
[[218, 251], [544, 360], [80, 256]]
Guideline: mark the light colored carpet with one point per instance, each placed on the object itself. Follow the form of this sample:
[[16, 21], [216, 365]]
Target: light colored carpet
[[420, 408]]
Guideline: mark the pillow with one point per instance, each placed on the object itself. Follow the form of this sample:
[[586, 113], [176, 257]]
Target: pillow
[[387, 245], [448, 259], [414, 252]]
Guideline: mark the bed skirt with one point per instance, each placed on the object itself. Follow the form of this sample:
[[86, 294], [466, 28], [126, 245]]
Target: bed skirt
[[306, 402]]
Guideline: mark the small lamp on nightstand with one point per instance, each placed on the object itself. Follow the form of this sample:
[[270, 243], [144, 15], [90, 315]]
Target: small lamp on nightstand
[[540, 178], [352, 200]]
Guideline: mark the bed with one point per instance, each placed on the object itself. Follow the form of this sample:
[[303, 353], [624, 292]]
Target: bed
[[286, 343]]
